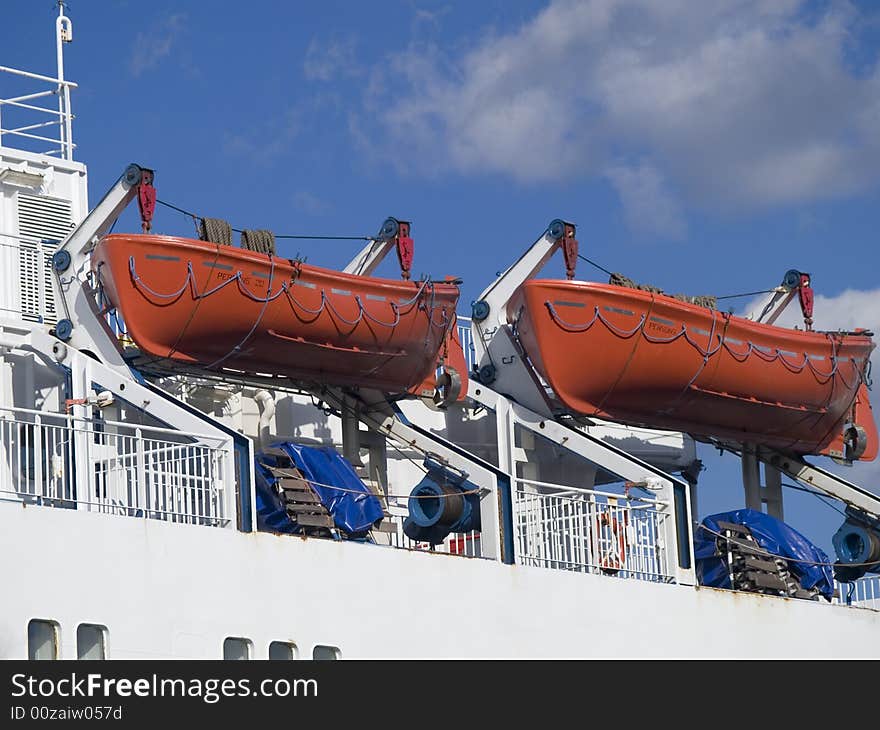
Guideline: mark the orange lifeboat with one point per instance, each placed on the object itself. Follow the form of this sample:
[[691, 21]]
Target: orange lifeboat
[[196, 302], [648, 359]]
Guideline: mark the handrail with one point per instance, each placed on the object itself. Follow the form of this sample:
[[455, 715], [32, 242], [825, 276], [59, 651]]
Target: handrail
[[16, 101], [562, 531], [62, 116], [13, 133], [39, 77], [54, 461], [66, 417], [586, 490]]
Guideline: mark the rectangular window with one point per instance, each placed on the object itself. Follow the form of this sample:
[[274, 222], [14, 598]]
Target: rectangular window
[[91, 641], [236, 648], [42, 639], [282, 651], [325, 653]]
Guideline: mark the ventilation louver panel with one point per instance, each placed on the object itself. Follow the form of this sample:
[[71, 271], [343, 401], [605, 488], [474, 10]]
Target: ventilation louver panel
[[42, 222]]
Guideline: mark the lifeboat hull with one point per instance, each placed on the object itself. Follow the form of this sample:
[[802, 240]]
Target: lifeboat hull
[[220, 307], [648, 359]]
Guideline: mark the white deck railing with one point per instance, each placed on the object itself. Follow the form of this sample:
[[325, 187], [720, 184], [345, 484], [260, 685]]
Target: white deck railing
[[115, 468], [862, 593], [565, 528], [591, 531], [463, 544], [465, 337], [35, 121]]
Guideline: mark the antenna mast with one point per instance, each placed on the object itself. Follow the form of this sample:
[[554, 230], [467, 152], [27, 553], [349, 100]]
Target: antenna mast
[[64, 34]]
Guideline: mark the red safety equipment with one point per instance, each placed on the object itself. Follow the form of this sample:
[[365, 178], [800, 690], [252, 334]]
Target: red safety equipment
[[405, 249], [805, 294], [569, 251], [613, 558], [146, 195]]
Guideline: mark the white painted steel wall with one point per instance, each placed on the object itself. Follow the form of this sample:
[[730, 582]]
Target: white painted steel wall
[[177, 591], [61, 179]]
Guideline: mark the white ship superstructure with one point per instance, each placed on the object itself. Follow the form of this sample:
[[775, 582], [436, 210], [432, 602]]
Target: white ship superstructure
[[128, 493]]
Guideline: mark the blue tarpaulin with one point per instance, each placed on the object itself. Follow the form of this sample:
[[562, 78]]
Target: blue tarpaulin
[[349, 501], [772, 535], [271, 515]]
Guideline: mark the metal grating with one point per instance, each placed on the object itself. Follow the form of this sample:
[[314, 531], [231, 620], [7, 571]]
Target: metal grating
[[42, 221]]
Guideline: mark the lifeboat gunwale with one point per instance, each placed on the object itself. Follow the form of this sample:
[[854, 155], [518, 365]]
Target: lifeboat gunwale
[[381, 333], [820, 336], [607, 375], [265, 260]]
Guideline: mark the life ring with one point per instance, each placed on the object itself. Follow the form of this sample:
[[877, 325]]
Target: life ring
[[612, 560]]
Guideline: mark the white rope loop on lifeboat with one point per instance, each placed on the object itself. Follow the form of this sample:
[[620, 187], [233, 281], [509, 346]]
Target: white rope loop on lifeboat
[[326, 302], [257, 321], [752, 348]]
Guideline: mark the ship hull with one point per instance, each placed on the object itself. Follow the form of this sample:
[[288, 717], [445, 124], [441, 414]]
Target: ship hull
[[152, 611], [196, 302], [647, 359]]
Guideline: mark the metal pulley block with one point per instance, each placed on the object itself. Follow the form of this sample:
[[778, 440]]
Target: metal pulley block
[[855, 441], [448, 388]]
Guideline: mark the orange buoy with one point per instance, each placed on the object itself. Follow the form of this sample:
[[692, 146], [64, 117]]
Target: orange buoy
[[613, 559]]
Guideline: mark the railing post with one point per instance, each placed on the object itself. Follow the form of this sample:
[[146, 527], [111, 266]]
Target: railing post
[[504, 517], [229, 507], [38, 458], [68, 122], [6, 465], [231, 502], [675, 532], [82, 481], [141, 472]]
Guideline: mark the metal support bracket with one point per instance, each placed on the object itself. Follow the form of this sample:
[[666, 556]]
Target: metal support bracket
[[797, 468], [497, 357], [634, 471], [781, 296], [394, 233], [83, 327], [374, 410]]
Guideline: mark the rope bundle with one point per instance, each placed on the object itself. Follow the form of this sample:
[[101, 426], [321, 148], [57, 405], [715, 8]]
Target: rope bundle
[[707, 301], [217, 230], [261, 241]]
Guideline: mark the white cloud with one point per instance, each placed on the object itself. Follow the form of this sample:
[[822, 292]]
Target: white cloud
[[152, 46], [310, 203], [265, 142], [327, 58], [428, 19], [737, 103], [849, 310], [647, 203]]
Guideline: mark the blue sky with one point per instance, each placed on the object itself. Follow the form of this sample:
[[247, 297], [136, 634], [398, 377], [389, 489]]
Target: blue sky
[[704, 147]]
